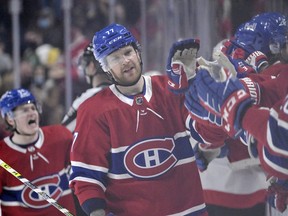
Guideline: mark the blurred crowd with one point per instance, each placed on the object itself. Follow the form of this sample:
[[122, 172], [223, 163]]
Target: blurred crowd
[[42, 66]]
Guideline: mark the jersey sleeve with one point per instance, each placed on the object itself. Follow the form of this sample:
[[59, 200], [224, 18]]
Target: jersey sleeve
[[88, 178], [270, 128]]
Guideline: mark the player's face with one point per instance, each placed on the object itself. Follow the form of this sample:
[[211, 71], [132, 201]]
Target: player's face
[[124, 65], [26, 119]]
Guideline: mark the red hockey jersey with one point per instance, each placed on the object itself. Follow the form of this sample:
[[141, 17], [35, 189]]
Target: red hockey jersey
[[270, 129], [136, 153], [238, 170], [46, 165]]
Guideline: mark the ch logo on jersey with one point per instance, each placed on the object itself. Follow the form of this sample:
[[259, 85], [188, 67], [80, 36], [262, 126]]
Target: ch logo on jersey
[[48, 184], [150, 158]]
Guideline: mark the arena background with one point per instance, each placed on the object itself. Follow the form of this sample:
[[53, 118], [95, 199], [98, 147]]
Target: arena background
[[41, 40]]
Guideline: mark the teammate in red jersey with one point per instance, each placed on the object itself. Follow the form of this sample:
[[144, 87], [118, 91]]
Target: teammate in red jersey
[[265, 125], [214, 136], [132, 152], [238, 114], [40, 154]]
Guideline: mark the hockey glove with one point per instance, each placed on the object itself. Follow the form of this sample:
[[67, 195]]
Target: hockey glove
[[181, 64], [226, 99], [215, 69], [240, 55], [252, 88], [278, 195], [196, 110], [205, 156], [257, 60], [236, 67]]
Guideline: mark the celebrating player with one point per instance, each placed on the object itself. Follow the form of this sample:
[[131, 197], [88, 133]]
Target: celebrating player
[[132, 154], [253, 39], [39, 154], [271, 86], [224, 180]]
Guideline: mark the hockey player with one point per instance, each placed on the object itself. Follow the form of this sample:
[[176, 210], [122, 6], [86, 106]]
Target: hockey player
[[273, 91], [132, 153], [269, 126], [229, 194], [39, 154], [225, 180], [214, 138], [95, 77]]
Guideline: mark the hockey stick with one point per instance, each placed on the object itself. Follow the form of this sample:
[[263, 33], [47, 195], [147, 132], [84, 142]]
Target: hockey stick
[[34, 188]]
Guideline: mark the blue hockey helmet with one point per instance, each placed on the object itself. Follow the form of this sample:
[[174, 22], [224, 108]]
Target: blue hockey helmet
[[276, 24], [252, 36], [110, 39], [14, 98], [266, 32]]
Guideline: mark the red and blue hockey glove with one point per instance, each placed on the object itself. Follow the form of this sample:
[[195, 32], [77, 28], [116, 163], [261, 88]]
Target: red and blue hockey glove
[[236, 67], [196, 110], [226, 99], [181, 64], [204, 156], [244, 59], [257, 60], [278, 195]]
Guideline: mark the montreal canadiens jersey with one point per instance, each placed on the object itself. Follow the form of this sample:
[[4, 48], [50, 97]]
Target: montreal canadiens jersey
[[136, 153], [270, 129], [273, 88], [231, 190], [46, 165], [273, 136]]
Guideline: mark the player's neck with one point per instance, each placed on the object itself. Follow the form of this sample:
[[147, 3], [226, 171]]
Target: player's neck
[[132, 90], [20, 139]]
